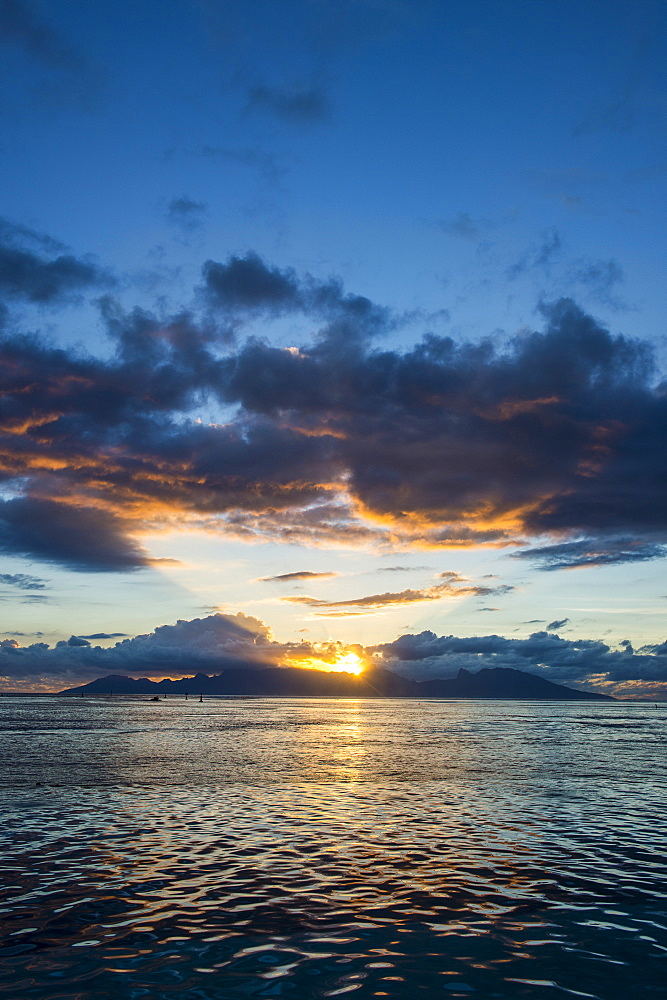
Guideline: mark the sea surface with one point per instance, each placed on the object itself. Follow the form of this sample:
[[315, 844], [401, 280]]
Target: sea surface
[[308, 848]]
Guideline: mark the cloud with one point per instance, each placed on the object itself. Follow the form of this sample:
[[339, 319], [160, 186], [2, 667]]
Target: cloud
[[298, 105], [24, 275], [30, 275], [300, 575], [596, 278], [77, 641], [552, 439], [659, 649], [22, 634], [588, 663], [248, 283], [222, 642], [541, 255], [599, 277], [186, 213], [80, 538], [554, 626], [25, 599], [16, 234], [592, 552], [437, 593], [214, 643], [22, 581], [104, 635]]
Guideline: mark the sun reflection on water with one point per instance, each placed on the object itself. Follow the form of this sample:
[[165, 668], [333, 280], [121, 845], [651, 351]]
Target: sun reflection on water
[[307, 847]]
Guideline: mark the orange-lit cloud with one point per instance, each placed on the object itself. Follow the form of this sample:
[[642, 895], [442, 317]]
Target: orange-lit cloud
[[438, 592], [555, 435], [226, 642], [299, 575]]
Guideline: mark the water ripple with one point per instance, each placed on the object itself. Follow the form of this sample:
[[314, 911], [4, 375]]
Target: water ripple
[[316, 849]]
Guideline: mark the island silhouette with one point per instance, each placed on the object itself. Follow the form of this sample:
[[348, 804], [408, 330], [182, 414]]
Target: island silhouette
[[490, 682]]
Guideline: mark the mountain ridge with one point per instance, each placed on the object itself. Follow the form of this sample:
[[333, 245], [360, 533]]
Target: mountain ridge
[[487, 683]]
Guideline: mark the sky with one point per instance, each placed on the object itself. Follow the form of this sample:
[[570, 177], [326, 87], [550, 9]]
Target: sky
[[333, 328]]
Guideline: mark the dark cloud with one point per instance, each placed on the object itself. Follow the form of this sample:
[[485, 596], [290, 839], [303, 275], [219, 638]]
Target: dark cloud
[[23, 581], [660, 649], [77, 640], [592, 552], [28, 274], [555, 437], [300, 575], [214, 643], [582, 662], [104, 635], [80, 538], [248, 283], [185, 212], [554, 626], [307, 105]]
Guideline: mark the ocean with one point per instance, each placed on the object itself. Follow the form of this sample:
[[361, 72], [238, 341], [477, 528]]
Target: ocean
[[310, 848]]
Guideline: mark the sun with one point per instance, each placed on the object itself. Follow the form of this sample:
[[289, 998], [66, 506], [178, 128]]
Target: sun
[[349, 663]]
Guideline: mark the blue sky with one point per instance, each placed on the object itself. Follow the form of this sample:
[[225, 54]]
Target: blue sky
[[460, 166]]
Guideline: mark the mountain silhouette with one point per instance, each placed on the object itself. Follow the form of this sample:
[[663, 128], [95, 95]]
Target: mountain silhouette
[[490, 682]]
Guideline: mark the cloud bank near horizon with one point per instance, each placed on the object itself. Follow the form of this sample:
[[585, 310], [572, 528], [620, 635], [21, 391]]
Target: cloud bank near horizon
[[552, 440], [220, 642]]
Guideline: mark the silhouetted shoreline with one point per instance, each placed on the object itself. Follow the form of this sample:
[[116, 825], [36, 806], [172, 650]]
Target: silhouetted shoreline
[[488, 683]]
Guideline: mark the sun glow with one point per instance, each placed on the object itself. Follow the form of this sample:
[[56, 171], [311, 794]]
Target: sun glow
[[349, 663]]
